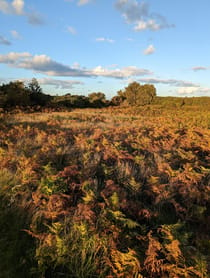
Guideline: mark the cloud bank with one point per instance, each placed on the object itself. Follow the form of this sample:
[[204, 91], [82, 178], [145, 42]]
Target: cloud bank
[[184, 88], [44, 64]]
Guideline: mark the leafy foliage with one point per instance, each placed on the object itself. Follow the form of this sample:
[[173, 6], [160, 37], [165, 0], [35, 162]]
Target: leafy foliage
[[136, 94]]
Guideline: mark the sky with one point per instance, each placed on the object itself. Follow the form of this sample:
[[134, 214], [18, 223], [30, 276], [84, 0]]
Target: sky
[[85, 46]]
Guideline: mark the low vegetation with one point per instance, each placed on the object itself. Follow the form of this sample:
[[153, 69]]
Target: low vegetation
[[112, 192]]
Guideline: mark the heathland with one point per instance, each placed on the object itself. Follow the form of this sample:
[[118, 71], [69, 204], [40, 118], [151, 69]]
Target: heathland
[[119, 188], [112, 192]]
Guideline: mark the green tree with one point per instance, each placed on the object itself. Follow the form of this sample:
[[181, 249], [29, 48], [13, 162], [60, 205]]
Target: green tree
[[34, 86], [14, 94], [132, 93], [137, 94], [116, 100], [37, 96], [97, 99], [148, 93]]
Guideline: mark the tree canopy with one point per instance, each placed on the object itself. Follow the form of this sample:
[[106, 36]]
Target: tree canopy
[[97, 99], [137, 94], [15, 93], [34, 86]]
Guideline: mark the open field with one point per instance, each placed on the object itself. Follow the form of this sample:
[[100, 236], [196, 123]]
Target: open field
[[115, 192]]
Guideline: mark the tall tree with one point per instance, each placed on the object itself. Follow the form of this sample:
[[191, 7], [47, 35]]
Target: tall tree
[[34, 86], [137, 94], [36, 94], [148, 93], [132, 92]]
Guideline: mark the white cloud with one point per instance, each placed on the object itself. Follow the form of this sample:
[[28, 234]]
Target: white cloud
[[187, 90], [144, 25], [194, 90], [104, 40], [130, 39], [184, 87], [80, 2], [4, 41], [14, 58], [149, 50], [83, 2], [131, 10], [16, 7], [120, 73], [15, 34], [71, 30], [44, 64], [140, 16], [5, 7]]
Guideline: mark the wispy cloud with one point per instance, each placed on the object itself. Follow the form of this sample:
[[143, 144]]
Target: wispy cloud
[[34, 18], [44, 64], [184, 87], [101, 39], [149, 50], [138, 14], [59, 84], [16, 7], [150, 24], [55, 83], [199, 68], [129, 39], [71, 30], [172, 82], [15, 34], [4, 41], [80, 2], [83, 2]]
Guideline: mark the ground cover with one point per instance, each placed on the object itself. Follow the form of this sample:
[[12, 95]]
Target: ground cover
[[115, 192]]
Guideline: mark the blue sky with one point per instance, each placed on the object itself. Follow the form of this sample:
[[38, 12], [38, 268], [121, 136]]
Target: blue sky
[[84, 46]]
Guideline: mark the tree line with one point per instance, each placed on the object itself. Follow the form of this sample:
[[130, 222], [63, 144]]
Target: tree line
[[17, 94]]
